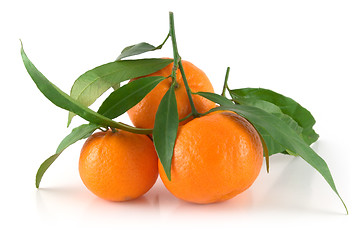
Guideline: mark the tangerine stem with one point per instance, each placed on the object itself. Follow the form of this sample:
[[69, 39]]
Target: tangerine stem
[[188, 91], [225, 82], [136, 130], [178, 64], [183, 119], [175, 49]]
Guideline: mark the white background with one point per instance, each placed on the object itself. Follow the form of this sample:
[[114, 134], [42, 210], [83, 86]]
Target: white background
[[308, 50]]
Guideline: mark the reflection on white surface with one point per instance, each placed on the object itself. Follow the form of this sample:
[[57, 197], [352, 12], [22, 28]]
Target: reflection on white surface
[[289, 188]]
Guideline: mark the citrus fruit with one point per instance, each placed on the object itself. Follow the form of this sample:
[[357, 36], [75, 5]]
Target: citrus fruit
[[118, 166], [143, 114], [216, 157]]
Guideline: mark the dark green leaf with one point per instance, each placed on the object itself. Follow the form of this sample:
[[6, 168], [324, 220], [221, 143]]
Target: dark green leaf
[[62, 100], [215, 98], [77, 134], [139, 48], [128, 96], [287, 106], [165, 129], [275, 110], [265, 150], [92, 84], [272, 147], [284, 135]]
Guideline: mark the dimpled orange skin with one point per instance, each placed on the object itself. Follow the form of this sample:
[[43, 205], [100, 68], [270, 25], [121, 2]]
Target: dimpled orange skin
[[216, 157], [118, 166], [143, 114]]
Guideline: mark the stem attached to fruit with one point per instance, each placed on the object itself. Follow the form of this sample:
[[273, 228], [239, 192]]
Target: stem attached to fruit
[[178, 64]]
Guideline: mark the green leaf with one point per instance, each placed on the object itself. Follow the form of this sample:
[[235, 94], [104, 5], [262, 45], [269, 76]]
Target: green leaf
[[215, 98], [43, 167], [130, 93], [81, 132], [165, 129], [273, 146], [122, 100], [288, 106], [135, 50], [265, 150], [283, 134], [139, 48], [127, 96], [92, 84], [275, 110], [62, 100]]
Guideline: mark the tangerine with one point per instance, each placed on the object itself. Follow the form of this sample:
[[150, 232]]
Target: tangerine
[[118, 166], [143, 114], [216, 157]]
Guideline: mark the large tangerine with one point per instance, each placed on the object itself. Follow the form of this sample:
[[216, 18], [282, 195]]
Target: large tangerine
[[216, 157]]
